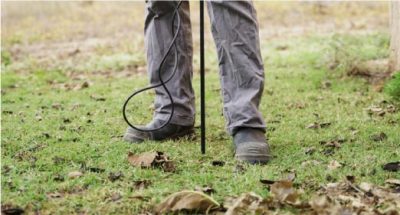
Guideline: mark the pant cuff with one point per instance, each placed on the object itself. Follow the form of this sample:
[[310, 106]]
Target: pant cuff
[[234, 128], [176, 119]]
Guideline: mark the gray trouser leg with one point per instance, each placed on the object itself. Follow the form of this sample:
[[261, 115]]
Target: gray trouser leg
[[235, 31], [158, 34]]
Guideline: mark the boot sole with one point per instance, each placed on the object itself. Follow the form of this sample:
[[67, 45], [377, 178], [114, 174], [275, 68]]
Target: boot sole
[[253, 152], [135, 139]]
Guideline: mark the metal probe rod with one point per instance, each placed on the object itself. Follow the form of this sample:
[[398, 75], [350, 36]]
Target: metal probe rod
[[202, 84]]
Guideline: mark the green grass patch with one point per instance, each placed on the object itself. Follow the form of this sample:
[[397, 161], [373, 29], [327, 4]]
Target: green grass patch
[[49, 131], [392, 87]]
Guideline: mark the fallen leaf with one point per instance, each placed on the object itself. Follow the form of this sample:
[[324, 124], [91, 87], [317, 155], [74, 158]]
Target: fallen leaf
[[97, 98], [391, 109], [267, 181], [141, 184], [7, 112], [114, 197], [56, 106], [328, 151], [376, 110], [297, 105], [113, 176], [332, 143], [58, 160], [283, 191], [206, 189], [75, 174], [168, 166], [143, 160], [58, 178], [325, 124], [313, 126], [378, 137], [326, 84], [351, 178], [188, 201], [94, 169], [54, 195], [366, 187], [393, 181], [247, 203], [317, 125], [392, 166], [84, 85], [5, 169], [139, 197], [309, 150], [218, 163], [152, 159], [239, 169], [325, 205], [291, 176], [8, 209]]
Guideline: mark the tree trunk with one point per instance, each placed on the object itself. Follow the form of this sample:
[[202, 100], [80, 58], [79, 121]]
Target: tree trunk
[[394, 59]]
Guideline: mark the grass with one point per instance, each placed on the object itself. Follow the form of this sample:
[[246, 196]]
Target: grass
[[35, 136], [392, 88], [51, 127]]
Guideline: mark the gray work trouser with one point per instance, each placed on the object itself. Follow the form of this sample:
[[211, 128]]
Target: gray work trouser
[[235, 31]]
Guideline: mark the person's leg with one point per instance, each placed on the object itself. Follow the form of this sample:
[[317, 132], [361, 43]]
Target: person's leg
[[235, 31], [158, 36]]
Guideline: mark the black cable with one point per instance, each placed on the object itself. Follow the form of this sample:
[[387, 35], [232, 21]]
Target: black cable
[[162, 82]]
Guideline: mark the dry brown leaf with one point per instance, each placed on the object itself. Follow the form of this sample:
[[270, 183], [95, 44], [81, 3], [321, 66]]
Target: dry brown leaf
[[168, 166], [97, 98], [324, 205], [393, 181], [317, 125], [9, 209], [152, 159], [113, 176], [366, 187], [75, 174], [187, 201], [142, 184], [54, 195], [392, 166], [143, 160], [206, 189], [378, 137], [283, 191], [247, 203]]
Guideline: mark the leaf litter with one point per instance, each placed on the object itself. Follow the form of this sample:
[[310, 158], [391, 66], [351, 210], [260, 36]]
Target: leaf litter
[[346, 197], [392, 166], [152, 160], [187, 201]]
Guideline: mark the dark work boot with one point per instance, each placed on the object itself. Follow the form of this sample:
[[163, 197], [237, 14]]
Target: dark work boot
[[251, 146], [170, 131]]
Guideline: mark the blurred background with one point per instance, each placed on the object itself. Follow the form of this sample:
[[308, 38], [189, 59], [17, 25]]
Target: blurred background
[[109, 35]]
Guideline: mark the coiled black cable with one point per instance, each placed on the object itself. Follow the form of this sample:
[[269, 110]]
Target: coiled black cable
[[162, 82]]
